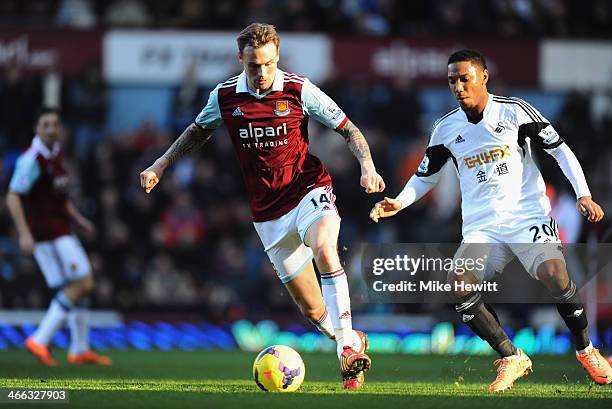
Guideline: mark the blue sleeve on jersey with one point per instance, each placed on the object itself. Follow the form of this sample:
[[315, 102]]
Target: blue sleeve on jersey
[[27, 171], [320, 106], [210, 116]]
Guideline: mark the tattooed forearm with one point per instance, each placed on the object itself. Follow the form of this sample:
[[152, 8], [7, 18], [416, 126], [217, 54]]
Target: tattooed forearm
[[192, 138], [356, 142]]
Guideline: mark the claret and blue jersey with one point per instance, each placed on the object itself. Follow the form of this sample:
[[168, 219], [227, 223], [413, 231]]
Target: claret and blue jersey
[[41, 179], [269, 132]]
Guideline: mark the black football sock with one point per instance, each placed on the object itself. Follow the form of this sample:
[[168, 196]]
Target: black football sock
[[572, 311], [484, 322], [493, 313]]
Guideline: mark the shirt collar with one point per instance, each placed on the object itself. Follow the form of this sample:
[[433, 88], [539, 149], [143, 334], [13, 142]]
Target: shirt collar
[[243, 83], [40, 147]]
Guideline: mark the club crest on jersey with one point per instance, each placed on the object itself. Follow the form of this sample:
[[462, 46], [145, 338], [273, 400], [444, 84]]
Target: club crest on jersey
[[60, 182], [282, 108], [500, 128]]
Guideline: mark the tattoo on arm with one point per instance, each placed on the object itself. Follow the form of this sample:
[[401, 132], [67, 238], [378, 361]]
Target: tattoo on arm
[[192, 138], [356, 141]]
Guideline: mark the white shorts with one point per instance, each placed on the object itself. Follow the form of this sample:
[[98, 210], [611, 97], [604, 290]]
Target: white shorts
[[62, 260], [283, 238], [532, 243]]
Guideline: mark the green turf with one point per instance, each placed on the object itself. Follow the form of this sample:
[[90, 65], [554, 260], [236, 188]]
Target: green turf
[[222, 380]]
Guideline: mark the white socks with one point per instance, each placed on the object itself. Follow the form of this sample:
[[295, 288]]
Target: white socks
[[324, 324], [336, 295], [54, 319], [60, 309], [78, 322]]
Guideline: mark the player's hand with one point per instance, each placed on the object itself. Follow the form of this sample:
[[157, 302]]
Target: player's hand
[[151, 176], [26, 243], [88, 227], [385, 208], [589, 209], [370, 180]]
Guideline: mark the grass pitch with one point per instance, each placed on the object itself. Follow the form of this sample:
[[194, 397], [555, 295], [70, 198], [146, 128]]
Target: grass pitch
[[223, 380]]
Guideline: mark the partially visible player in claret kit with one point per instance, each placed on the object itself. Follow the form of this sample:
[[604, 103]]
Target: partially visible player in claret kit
[[266, 112], [489, 140], [42, 212]]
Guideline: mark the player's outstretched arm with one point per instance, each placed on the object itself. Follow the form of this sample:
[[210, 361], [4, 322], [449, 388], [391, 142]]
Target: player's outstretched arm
[[371, 181], [192, 138], [570, 166]]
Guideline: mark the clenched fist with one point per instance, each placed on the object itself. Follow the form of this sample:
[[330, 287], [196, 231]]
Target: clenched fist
[[370, 180], [150, 177]]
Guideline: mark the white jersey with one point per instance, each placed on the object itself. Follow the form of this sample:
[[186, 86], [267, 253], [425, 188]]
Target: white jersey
[[499, 180]]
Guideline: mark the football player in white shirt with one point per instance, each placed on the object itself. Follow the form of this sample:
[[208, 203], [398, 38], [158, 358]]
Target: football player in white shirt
[[489, 140]]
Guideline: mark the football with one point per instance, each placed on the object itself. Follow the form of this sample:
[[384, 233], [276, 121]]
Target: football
[[279, 368]]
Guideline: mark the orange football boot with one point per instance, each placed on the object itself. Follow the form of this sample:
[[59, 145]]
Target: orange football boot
[[509, 369], [40, 351], [89, 357], [596, 366]]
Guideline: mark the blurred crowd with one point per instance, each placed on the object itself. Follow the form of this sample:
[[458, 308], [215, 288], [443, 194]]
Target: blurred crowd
[[500, 18], [190, 243]]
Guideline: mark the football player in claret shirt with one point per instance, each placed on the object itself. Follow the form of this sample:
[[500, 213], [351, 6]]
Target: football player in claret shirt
[[266, 112], [489, 140], [39, 205]]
